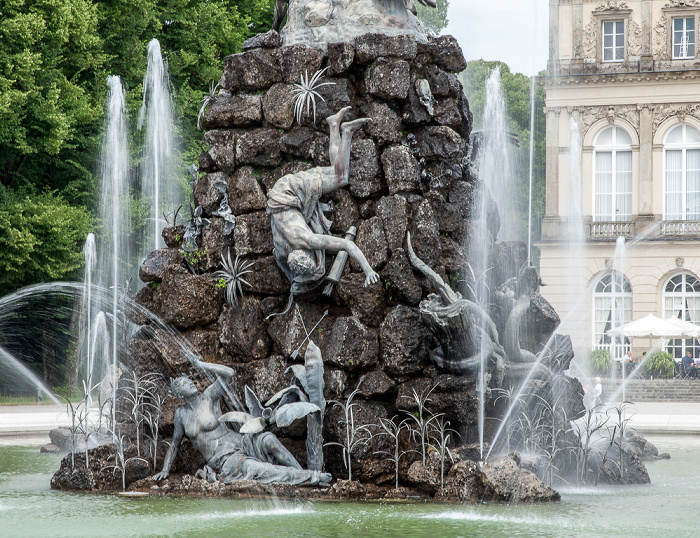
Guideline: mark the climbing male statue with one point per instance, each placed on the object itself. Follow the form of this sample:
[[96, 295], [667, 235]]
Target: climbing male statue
[[300, 231]]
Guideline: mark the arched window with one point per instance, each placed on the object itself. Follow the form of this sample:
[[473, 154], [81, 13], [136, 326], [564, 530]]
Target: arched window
[[682, 173], [681, 298], [612, 307], [613, 175]]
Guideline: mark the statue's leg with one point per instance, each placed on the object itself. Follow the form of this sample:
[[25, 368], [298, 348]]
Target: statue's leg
[[246, 468], [334, 126], [279, 454], [341, 163]]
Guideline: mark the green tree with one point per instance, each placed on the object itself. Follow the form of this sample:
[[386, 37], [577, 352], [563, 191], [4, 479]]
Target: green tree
[[51, 63], [434, 18], [39, 238], [516, 89]]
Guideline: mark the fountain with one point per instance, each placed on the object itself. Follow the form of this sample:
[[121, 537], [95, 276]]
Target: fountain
[[402, 368], [158, 184]]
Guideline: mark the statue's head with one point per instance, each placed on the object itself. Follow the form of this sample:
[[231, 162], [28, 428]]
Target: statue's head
[[302, 262], [182, 386]]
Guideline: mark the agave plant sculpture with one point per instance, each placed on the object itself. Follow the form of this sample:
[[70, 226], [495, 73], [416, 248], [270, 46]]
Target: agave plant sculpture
[[306, 93], [209, 98], [232, 274], [259, 416]]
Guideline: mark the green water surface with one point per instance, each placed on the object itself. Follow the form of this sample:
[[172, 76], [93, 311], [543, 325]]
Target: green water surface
[[669, 507]]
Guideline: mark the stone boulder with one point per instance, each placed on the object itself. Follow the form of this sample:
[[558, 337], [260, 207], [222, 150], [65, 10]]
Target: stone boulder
[[251, 70], [233, 111], [352, 346], [187, 300], [242, 331], [156, 262], [404, 342]]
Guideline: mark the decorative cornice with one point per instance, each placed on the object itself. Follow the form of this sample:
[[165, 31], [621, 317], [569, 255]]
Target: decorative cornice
[[612, 5], [592, 114], [681, 111], [682, 3]]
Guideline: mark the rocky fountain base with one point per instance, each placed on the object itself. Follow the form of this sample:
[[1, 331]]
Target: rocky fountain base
[[409, 172]]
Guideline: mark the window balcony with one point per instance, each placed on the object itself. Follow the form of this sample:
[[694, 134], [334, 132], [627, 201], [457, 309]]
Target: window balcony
[[611, 230], [567, 229], [680, 228]]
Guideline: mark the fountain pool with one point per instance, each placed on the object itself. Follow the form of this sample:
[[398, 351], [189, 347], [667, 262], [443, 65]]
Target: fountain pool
[[665, 508]]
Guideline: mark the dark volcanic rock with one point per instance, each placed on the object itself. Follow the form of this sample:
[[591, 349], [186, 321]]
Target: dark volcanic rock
[[154, 265], [365, 173], [444, 52], [270, 177], [440, 143], [296, 61], [388, 79], [266, 277], [401, 170], [340, 57], [306, 143], [269, 40], [204, 342], [206, 194], [222, 149], [352, 346], [505, 481], [425, 236], [400, 283], [251, 70], [393, 210], [252, 234], [278, 105], [367, 303], [233, 111], [369, 47], [385, 124], [372, 242], [404, 342], [242, 332], [287, 331], [173, 235], [187, 300], [378, 385], [244, 192], [259, 147], [215, 245], [266, 376], [345, 213], [334, 96]]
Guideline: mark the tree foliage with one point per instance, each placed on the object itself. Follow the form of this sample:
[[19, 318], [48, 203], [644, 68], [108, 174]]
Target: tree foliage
[[55, 56], [434, 18], [516, 89], [39, 238], [50, 62]]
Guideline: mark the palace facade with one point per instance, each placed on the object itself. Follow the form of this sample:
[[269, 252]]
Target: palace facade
[[623, 160]]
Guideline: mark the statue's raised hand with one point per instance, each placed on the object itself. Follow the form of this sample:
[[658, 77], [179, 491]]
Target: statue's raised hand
[[371, 277], [160, 476]]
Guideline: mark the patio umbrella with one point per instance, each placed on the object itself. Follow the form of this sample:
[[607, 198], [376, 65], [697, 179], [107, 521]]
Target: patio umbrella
[[690, 330], [649, 326]]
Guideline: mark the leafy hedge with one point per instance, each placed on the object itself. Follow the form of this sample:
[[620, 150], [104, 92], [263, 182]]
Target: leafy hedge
[[39, 238]]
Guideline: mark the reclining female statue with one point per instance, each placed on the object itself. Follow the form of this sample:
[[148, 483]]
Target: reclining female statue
[[300, 231], [230, 456]]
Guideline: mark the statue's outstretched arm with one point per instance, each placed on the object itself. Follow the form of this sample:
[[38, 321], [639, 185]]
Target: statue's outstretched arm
[[336, 244], [223, 373], [172, 449]]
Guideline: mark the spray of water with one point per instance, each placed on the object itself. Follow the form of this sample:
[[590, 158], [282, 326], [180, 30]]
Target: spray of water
[[115, 251], [157, 181]]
